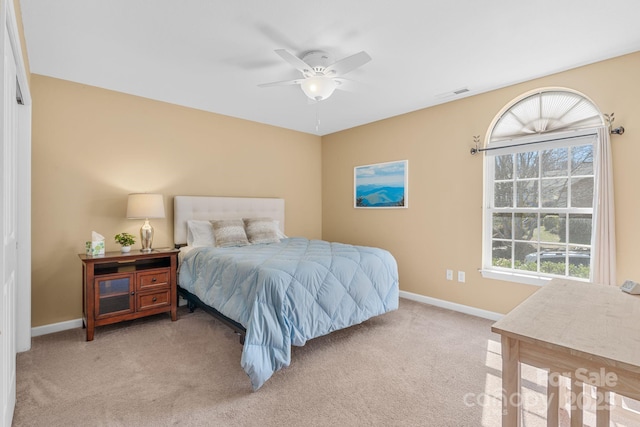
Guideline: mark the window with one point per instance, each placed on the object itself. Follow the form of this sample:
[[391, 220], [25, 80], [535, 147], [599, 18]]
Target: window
[[539, 189]]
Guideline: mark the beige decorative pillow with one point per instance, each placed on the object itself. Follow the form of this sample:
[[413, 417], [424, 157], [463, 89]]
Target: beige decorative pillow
[[229, 232], [261, 230]]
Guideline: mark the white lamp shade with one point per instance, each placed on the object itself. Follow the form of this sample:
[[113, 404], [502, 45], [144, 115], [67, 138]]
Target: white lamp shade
[[318, 87], [144, 205]]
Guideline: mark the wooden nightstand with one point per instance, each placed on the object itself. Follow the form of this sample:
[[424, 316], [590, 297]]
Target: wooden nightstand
[[124, 286]]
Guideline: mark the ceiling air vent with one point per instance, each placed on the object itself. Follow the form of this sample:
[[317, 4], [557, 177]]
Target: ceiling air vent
[[453, 93]]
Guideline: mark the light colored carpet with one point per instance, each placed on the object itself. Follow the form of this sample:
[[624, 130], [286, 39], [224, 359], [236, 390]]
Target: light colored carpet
[[418, 366]]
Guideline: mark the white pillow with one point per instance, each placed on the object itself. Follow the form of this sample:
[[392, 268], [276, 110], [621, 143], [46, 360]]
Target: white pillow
[[199, 233], [281, 235]]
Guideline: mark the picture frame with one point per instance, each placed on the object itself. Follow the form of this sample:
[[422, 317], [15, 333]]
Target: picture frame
[[381, 185]]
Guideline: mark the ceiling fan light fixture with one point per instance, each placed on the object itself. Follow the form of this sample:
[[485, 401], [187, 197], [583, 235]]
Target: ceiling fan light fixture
[[318, 88]]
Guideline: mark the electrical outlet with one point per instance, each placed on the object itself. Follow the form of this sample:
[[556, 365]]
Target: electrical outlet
[[449, 274], [461, 276]]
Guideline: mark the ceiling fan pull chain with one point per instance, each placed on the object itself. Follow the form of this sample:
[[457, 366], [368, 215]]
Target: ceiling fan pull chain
[[317, 117]]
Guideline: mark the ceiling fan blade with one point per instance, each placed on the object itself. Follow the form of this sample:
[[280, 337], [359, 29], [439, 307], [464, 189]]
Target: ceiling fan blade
[[347, 64], [282, 83], [345, 85], [278, 37], [297, 63]]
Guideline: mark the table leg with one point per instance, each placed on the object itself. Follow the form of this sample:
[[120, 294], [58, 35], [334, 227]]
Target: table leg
[[577, 392], [511, 398], [553, 399], [603, 408]]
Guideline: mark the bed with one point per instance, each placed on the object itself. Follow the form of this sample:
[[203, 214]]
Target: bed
[[275, 292]]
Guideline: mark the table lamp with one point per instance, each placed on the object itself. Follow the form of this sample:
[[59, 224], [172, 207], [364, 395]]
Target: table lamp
[[145, 206]]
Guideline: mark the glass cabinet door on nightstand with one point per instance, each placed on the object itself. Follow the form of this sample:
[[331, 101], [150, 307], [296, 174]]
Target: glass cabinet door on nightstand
[[114, 295]]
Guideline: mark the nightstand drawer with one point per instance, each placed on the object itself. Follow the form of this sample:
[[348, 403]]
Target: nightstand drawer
[[153, 300], [153, 279]]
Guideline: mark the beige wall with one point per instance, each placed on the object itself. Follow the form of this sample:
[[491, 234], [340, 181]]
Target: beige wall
[[91, 147], [442, 228]]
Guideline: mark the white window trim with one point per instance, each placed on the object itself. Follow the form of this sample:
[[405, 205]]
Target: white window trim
[[488, 271], [509, 276]]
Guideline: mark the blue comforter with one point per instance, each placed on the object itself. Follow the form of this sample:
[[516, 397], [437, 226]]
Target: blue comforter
[[286, 293]]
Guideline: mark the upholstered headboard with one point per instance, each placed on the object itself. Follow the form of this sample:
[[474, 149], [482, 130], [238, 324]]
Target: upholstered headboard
[[209, 208]]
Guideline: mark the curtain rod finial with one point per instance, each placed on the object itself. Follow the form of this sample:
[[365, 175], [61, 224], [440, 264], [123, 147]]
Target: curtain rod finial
[[610, 118], [476, 141]]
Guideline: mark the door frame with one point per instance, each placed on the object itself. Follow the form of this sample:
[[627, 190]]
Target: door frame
[[23, 116], [21, 305]]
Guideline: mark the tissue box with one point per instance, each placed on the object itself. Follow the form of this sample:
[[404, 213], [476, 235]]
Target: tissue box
[[95, 248]]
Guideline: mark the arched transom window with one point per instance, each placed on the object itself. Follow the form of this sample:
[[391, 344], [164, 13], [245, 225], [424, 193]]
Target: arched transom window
[[545, 111]]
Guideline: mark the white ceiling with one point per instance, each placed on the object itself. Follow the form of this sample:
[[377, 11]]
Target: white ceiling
[[212, 54]]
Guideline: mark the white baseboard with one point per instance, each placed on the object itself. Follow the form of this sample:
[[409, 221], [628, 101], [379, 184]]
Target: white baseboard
[[77, 323], [452, 306], [70, 324], [56, 327]]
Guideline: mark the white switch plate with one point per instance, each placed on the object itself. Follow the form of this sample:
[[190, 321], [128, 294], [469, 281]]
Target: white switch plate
[[461, 276], [449, 274]]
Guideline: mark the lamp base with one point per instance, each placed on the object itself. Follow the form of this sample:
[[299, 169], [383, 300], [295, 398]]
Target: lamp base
[[146, 236]]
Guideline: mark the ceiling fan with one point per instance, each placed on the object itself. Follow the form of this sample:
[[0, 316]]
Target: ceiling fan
[[321, 76]]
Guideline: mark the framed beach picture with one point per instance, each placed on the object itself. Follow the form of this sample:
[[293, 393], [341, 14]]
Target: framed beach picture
[[381, 185]]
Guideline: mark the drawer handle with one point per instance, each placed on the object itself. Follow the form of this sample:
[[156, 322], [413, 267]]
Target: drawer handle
[[154, 299], [154, 279]]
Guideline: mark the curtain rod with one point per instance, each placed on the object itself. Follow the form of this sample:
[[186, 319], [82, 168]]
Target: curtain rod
[[475, 150]]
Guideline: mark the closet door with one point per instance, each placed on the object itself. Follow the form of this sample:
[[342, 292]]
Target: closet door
[[8, 249]]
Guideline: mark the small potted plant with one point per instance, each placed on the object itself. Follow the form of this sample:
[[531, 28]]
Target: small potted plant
[[126, 240]]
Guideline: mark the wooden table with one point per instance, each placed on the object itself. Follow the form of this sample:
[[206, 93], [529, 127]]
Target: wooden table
[[585, 331]]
